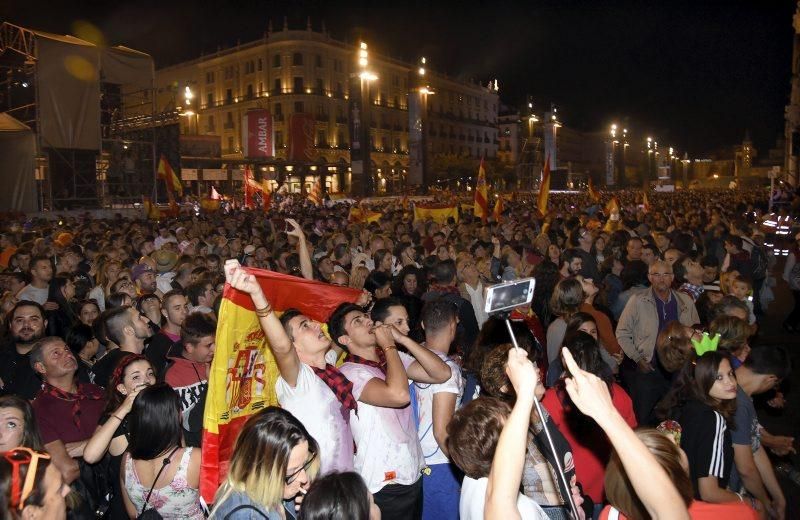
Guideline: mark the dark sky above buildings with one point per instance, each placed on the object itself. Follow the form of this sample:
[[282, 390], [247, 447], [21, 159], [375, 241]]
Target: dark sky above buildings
[[695, 74]]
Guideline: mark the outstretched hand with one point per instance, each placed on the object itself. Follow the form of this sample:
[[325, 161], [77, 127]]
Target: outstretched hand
[[589, 393], [240, 279]]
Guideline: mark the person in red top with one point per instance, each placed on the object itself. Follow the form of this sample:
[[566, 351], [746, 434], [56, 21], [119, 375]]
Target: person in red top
[[66, 410], [190, 361], [590, 447], [624, 503]]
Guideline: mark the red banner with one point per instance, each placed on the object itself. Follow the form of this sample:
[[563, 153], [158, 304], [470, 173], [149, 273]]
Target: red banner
[[301, 137], [258, 129]]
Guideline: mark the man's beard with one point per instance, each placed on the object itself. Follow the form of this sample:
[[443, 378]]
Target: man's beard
[[24, 342]]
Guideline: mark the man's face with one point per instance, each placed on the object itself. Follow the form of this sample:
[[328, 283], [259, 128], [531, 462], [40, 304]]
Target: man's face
[[27, 325], [358, 327], [340, 279], [209, 294], [438, 240], [326, 267], [634, 249], [212, 265], [140, 324], [147, 282], [660, 277], [57, 360], [176, 309], [574, 267], [672, 255], [42, 270], [585, 239], [693, 269], [202, 351], [662, 241], [307, 335], [709, 274], [647, 256], [147, 248], [23, 261]]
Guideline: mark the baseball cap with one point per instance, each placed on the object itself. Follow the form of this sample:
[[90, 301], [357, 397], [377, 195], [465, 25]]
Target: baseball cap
[[139, 270]]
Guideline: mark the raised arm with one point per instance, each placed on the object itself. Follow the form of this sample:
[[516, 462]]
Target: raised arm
[[393, 391], [103, 436], [302, 249], [280, 344], [657, 493], [428, 367], [509, 457]]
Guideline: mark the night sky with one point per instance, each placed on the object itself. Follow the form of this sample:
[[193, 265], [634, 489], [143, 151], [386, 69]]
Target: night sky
[[694, 74]]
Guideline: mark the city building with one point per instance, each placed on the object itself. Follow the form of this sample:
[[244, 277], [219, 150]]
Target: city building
[[308, 73]]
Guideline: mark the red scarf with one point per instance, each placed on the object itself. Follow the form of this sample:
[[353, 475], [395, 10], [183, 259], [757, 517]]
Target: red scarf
[[380, 364], [447, 289], [82, 392], [341, 387]]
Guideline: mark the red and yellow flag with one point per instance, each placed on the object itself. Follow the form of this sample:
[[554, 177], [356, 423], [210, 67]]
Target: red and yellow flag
[[359, 215], [437, 212], [170, 178], [151, 211], [593, 193], [544, 188], [209, 205], [481, 204], [243, 372], [498, 210], [612, 206], [645, 203], [315, 195]]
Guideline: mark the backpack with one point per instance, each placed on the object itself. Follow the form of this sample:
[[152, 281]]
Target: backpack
[[758, 258]]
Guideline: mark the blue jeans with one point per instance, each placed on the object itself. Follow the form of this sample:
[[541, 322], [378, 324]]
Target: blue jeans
[[441, 491]]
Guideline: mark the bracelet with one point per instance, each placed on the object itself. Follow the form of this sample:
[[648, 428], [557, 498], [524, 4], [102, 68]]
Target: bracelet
[[740, 497], [264, 311], [390, 347], [117, 417]]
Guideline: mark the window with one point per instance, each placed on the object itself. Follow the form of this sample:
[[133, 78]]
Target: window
[[298, 84], [322, 140], [228, 120], [297, 59], [209, 77], [260, 65], [395, 81], [385, 143], [396, 145], [276, 60], [250, 91], [278, 139], [340, 140], [320, 86], [228, 96], [278, 109], [210, 99], [277, 86], [339, 89], [230, 144], [318, 60], [299, 107], [211, 127], [397, 103]]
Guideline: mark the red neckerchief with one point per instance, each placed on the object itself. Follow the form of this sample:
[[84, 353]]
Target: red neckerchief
[[341, 387], [380, 364], [80, 394], [449, 289]]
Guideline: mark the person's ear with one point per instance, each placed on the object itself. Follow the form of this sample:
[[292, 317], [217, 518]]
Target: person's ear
[[121, 389], [38, 367], [344, 339]]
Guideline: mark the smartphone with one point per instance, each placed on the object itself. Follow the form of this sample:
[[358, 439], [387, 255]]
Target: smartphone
[[506, 296]]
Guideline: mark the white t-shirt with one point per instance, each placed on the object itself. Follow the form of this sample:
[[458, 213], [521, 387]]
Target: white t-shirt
[[388, 450], [473, 499], [33, 294], [425, 392], [315, 405]]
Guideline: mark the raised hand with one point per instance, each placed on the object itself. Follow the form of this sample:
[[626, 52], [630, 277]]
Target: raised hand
[[521, 372], [241, 280], [295, 230], [383, 335]]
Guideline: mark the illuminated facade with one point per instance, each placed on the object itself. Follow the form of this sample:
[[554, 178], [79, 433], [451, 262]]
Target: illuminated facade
[[303, 71]]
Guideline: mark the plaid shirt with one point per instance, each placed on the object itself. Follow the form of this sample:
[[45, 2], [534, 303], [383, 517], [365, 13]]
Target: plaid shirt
[[380, 364], [692, 290], [341, 386]]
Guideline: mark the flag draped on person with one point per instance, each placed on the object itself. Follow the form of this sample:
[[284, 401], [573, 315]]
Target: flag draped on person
[[544, 188], [170, 178], [481, 204], [243, 372], [315, 194], [593, 193], [437, 212]]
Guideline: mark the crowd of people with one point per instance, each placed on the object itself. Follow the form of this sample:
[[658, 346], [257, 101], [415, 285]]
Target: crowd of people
[[640, 345]]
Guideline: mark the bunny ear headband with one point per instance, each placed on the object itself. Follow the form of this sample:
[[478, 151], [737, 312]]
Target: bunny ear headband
[[707, 344]]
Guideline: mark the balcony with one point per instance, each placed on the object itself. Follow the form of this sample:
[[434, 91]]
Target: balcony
[[323, 117], [229, 125]]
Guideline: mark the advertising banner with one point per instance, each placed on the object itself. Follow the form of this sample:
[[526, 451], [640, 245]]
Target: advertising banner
[[258, 131], [301, 137]]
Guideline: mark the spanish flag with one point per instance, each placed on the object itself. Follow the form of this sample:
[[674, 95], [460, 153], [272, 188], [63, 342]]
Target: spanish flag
[[209, 205], [593, 194], [481, 204], [315, 195], [645, 203], [360, 215], [612, 206], [544, 188], [243, 373], [498, 210], [170, 178], [437, 212], [151, 211]]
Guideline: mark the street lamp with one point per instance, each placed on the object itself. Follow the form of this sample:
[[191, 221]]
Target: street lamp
[[361, 164]]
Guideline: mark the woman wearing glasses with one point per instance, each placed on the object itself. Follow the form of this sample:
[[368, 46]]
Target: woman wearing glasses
[[30, 486], [273, 463]]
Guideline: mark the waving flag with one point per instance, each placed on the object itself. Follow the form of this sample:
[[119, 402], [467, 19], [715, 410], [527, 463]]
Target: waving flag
[[481, 205], [170, 178], [436, 212], [645, 203], [315, 195], [593, 194], [544, 188], [498, 210], [243, 372], [612, 206]]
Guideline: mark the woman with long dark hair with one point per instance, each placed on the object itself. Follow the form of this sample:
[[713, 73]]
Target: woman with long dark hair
[[157, 472], [62, 292], [339, 496], [703, 400], [273, 462]]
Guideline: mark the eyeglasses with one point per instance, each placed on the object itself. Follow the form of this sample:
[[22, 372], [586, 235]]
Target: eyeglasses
[[17, 458], [293, 476], [661, 275]]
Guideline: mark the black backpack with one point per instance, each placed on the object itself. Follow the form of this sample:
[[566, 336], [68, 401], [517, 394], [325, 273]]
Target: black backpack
[[758, 258]]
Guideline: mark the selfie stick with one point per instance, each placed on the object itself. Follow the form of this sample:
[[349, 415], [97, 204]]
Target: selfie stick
[[538, 406]]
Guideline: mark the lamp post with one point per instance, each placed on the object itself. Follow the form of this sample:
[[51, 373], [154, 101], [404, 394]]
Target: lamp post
[[532, 120], [362, 183], [611, 156], [418, 127]]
